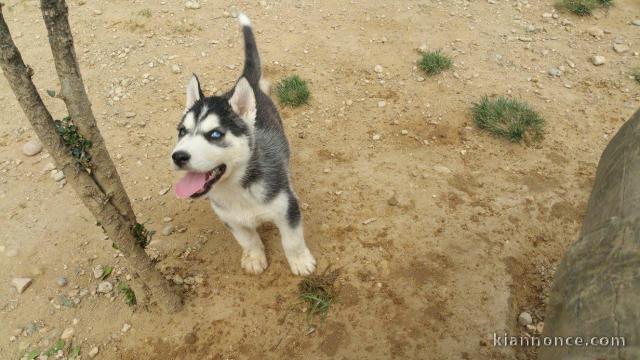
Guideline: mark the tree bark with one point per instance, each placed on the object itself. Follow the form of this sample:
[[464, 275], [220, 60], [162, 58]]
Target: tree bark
[[115, 223], [72, 92]]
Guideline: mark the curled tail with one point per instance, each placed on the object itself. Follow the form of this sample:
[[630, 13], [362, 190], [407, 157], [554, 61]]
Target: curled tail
[[251, 58]]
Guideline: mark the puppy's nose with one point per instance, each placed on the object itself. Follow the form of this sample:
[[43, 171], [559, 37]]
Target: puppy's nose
[[180, 158]]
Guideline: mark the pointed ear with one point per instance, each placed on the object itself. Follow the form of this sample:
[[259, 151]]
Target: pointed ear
[[194, 93], [243, 101]]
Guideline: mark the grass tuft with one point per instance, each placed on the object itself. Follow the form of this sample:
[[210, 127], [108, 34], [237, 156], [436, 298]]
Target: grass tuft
[[293, 91], [434, 62], [145, 13], [508, 118], [318, 293], [129, 295], [142, 235], [583, 7]]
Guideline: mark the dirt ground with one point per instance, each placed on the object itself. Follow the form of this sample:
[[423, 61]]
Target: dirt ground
[[443, 235]]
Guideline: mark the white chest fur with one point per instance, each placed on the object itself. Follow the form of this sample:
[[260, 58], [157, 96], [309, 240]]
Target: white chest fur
[[238, 206]]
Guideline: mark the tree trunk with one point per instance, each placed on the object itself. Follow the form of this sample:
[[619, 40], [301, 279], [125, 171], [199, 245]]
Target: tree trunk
[[72, 92], [596, 290], [97, 197]]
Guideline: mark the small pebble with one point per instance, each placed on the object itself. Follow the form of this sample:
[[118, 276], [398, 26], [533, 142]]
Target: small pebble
[[167, 230], [441, 169], [192, 5], [130, 114], [32, 147], [524, 319], [382, 103], [596, 32], [404, 132], [104, 287], [98, 271], [126, 327], [175, 69], [21, 284], [375, 137], [378, 69], [598, 60], [555, 72], [57, 175], [636, 22], [620, 48], [67, 334], [93, 352], [61, 281]]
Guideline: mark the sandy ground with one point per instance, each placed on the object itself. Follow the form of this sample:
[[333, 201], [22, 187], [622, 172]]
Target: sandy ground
[[467, 230]]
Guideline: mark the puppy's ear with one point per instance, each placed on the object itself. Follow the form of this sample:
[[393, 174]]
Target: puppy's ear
[[243, 101], [194, 93]]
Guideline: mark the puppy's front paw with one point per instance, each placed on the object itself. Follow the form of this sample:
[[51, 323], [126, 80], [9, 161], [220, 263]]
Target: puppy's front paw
[[254, 262], [303, 263]]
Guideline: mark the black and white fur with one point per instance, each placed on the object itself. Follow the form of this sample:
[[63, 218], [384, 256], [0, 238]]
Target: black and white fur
[[254, 186]]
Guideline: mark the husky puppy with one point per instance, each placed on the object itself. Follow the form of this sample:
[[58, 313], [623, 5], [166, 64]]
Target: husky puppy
[[235, 153]]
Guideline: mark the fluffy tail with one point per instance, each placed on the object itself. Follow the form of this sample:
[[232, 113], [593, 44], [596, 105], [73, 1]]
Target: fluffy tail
[[251, 58]]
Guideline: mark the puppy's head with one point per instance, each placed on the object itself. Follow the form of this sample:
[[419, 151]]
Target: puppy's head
[[214, 137]]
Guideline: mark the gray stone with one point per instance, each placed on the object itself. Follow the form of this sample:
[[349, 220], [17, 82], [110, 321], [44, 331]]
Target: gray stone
[[167, 230], [67, 334], [32, 147], [524, 319], [61, 281], [555, 72], [98, 271], [598, 60], [620, 48], [596, 32], [93, 352], [636, 22], [104, 287]]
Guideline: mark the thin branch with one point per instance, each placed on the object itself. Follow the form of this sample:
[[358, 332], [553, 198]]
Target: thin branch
[[72, 92]]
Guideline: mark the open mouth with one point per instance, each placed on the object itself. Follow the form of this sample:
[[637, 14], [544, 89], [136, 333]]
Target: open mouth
[[196, 184]]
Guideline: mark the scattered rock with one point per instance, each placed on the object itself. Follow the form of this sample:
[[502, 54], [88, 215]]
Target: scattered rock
[[21, 284], [98, 271], [67, 334], [378, 69], [104, 287], [441, 169], [636, 22], [531, 28], [164, 190], [524, 319], [32, 147], [375, 137], [93, 352], [177, 279], [620, 48], [175, 69], [61, 281], [404, 132], [130, 114], [596, 32], [192, 5], [555, 72], [97, 12], [57, 175], [167, 230], [382, 103], [598, 60], [126, 327]]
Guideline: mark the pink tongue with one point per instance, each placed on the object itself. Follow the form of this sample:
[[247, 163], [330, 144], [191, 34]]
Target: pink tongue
[[190, 184]]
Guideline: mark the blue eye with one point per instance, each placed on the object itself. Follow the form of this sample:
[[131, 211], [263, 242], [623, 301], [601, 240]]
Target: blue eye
[[215, 135]]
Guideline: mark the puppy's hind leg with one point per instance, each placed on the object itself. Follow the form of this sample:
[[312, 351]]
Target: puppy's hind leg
[[291, 230], [254, 260]]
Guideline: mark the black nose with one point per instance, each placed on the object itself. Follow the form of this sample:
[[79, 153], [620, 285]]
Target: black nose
[[180, 157]]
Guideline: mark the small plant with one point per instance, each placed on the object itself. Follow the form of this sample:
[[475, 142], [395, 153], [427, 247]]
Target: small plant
[[129, 295], [434, 62], [293, 91], [318, 292], [106, 272], [77, 144], [508, 118], [75, 352], [52, 351], [583, 7], [142, 235]]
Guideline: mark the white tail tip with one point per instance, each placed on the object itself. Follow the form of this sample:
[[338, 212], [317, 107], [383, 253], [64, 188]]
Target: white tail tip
[[244, 19]]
